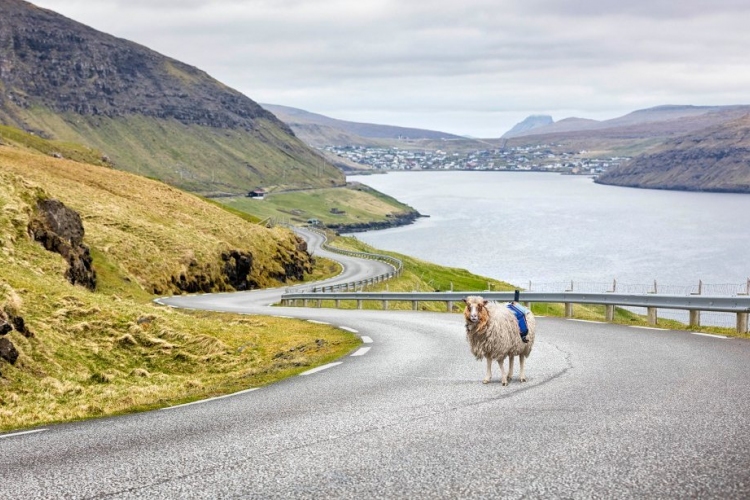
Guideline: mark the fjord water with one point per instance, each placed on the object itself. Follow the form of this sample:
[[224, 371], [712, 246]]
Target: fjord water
[[548, 228]]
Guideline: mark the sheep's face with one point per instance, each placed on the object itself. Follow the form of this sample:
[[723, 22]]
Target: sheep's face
[[474, 309]]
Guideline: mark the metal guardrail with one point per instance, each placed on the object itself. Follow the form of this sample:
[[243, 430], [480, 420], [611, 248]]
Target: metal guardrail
[[354, 285], [695, 304]]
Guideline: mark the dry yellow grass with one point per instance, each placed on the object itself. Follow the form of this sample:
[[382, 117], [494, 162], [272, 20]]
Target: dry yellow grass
[[112, 351]]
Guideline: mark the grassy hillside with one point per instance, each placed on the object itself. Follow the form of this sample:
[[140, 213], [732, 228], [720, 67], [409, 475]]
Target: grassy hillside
[[356, 204], [148, 113], [322, 130], [192, 157], [714, 159], [82, 353]]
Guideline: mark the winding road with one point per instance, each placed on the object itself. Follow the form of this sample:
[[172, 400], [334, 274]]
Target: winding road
[[609, 411]]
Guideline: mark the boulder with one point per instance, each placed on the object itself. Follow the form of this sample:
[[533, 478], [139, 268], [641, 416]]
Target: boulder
[[60, 230], [8, 351], [5, 327]]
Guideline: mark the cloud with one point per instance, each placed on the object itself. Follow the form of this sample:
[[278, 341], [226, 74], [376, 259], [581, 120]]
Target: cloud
[[473, 67]]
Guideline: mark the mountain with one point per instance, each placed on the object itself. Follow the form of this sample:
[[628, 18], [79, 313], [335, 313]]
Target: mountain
[[714, 159], [148, 113], [320, 130], [659, 121], [529, 123]]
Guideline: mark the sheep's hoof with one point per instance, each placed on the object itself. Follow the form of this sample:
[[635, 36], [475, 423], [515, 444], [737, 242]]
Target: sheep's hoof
[[523, 379], [505, 382], [486, 381]]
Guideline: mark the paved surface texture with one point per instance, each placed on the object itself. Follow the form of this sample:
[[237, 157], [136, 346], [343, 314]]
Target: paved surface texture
[[608, 412]]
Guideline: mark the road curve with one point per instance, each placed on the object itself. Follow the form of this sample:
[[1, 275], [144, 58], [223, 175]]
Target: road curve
[[609, 411]]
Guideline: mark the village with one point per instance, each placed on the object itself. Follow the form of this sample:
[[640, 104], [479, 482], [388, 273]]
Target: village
[[532, 158]]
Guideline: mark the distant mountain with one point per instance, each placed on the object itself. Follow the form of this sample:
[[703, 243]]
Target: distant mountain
[[148, 113], [321, 130], [529, 123], [714, 159], [660, 121]]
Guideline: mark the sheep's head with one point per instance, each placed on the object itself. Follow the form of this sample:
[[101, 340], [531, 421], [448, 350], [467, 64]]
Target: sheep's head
[[475, 309]]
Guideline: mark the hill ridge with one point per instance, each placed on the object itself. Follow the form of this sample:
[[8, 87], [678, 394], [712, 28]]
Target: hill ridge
[[150, 113]]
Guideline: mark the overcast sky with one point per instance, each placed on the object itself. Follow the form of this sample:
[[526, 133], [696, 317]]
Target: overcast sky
[[469, 67]]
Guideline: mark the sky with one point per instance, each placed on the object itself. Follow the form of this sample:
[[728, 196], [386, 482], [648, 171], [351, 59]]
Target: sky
[[467, 67]]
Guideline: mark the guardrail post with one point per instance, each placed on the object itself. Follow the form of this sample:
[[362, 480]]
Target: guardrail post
[[359, 303], [651, 314], [385, 305], [449, 305], [320, 303], [568, 310], [414, 305], [695, 318], [741, 322], [304, 302], [609, 313], [338, 304]]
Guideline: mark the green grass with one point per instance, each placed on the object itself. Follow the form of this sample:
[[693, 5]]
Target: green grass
[[195, 158], [113, 351], [355, 204], [69, 150], [422, 276]]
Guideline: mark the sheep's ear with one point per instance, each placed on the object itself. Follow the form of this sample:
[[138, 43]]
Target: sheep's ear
[[484, 303], [466, 301]]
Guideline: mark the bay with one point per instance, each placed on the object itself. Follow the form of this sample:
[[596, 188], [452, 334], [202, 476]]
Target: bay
[[549, 229]]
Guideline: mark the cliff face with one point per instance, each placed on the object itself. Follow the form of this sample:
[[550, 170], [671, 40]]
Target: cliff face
[[716, 159], [50, 60], [148, 113]]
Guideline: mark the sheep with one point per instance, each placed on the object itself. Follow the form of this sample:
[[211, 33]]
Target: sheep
[[493, 333]]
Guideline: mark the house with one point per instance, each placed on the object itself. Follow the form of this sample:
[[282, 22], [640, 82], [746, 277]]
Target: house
[[257, 194]]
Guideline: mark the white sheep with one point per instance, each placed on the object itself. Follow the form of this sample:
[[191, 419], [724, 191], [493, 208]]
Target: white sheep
[[493, 333]]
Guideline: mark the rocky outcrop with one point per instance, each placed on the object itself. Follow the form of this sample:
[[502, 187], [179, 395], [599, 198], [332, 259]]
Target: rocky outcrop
[[237, 266], [59, 229], [8, 351], [236, 271], [394, 221], [5, 326]]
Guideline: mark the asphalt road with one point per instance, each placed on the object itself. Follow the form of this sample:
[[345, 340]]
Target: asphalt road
[[608, 412]]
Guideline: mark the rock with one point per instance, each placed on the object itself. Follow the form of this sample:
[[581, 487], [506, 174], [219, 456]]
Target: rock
[[8, 351], [237, 266], [20, 326], [60, 230], [5, 327]]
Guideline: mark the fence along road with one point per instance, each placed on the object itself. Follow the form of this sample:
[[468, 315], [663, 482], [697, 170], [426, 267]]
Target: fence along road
[[338, 291], [695, 304]]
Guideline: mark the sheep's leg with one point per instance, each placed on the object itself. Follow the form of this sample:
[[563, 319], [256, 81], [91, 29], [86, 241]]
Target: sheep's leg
[[510, 368], [488, 376], [522, 360], [503, 375]]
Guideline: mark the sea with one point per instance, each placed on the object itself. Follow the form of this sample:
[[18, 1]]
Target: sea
[[552, 232]]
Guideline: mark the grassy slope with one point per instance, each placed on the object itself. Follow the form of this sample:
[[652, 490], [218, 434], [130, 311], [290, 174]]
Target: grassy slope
[[195, 158], [359, 202], [113, 351]]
